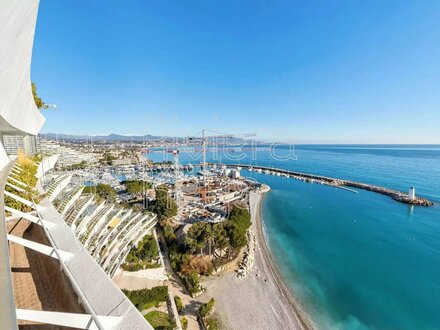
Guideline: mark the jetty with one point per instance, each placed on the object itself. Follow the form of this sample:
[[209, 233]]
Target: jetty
[[335, 182]]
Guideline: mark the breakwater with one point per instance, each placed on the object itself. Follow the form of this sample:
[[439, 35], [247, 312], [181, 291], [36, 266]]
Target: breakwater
[[336, 182]]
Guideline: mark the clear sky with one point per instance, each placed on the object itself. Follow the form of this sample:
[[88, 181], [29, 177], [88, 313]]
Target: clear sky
[[296, 71]]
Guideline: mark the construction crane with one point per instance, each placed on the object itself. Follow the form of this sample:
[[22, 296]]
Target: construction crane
[[219, 135], [204, 139]]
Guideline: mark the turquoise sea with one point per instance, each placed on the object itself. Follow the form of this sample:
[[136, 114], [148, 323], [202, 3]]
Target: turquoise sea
[[356, 261]]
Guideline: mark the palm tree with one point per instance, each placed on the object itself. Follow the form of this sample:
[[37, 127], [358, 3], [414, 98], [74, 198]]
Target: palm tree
[[210, 237], [196, 237], [221, 239]]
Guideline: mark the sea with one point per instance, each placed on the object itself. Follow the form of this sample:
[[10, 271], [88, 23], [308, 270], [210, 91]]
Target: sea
[[354, 260]]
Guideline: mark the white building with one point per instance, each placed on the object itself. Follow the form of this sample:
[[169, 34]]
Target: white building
[[15, 143], [66, 156], [122, 162], [412, 192], [105, 305], [18, 116], [234, 174]]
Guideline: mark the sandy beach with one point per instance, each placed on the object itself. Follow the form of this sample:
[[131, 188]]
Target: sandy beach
[[260, 301]]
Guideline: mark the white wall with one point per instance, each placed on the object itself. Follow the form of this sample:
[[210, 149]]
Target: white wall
[[18, 113], [46, 165]]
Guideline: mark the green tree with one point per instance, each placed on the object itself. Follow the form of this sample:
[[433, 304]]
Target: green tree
[[168, 234], [241, 217], [106, 191], [136, 186], [196, 237], [209, 237], [164, 206], [221, 240], [178, 259], [107, 158], [237, 225]]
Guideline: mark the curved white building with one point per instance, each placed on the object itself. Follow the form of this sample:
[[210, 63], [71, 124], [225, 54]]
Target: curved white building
[[18, 115], [105, 306]]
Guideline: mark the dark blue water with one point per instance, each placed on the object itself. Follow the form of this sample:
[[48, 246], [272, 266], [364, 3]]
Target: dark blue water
[[356, 261]]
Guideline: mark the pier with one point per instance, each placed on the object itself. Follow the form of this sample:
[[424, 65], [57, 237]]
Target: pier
[[335, 182]]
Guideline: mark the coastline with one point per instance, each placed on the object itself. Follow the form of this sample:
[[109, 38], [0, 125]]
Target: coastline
[[260, 300], [302, 317]]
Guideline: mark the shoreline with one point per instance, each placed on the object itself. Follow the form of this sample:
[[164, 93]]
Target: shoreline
[[302, 317], [260, 299]]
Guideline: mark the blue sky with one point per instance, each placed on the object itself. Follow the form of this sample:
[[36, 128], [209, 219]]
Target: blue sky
[[295, 71]]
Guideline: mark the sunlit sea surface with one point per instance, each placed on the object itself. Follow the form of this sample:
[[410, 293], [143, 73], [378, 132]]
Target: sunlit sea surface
[[356, 261]]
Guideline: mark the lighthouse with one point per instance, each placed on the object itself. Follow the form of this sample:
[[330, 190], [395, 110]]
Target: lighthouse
[[412, 193]]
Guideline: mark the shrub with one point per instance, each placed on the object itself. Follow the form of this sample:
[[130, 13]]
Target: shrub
[[178, 259], [38, 101], [131, 267], [146, 298], [146, 250], [192, 282], [179, 304], [27, 176], [206, 309], [212, 323], [184, 323], [159, 320], [201, 265]]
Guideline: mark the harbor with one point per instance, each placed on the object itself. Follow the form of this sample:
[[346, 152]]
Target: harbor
[[408, 198]]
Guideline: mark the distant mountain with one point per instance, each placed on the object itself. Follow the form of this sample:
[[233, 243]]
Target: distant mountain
[[110, 137], [122, 138]]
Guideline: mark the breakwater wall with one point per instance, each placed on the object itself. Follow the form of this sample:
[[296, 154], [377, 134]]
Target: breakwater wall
[[394, 194]]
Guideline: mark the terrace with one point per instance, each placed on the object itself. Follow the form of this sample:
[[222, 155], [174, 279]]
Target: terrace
[[57, 185], [91, 226], [146, 225], [104, 232], [101, 229], [126, 238], [69, 199], [77, 208], [114, 241]]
